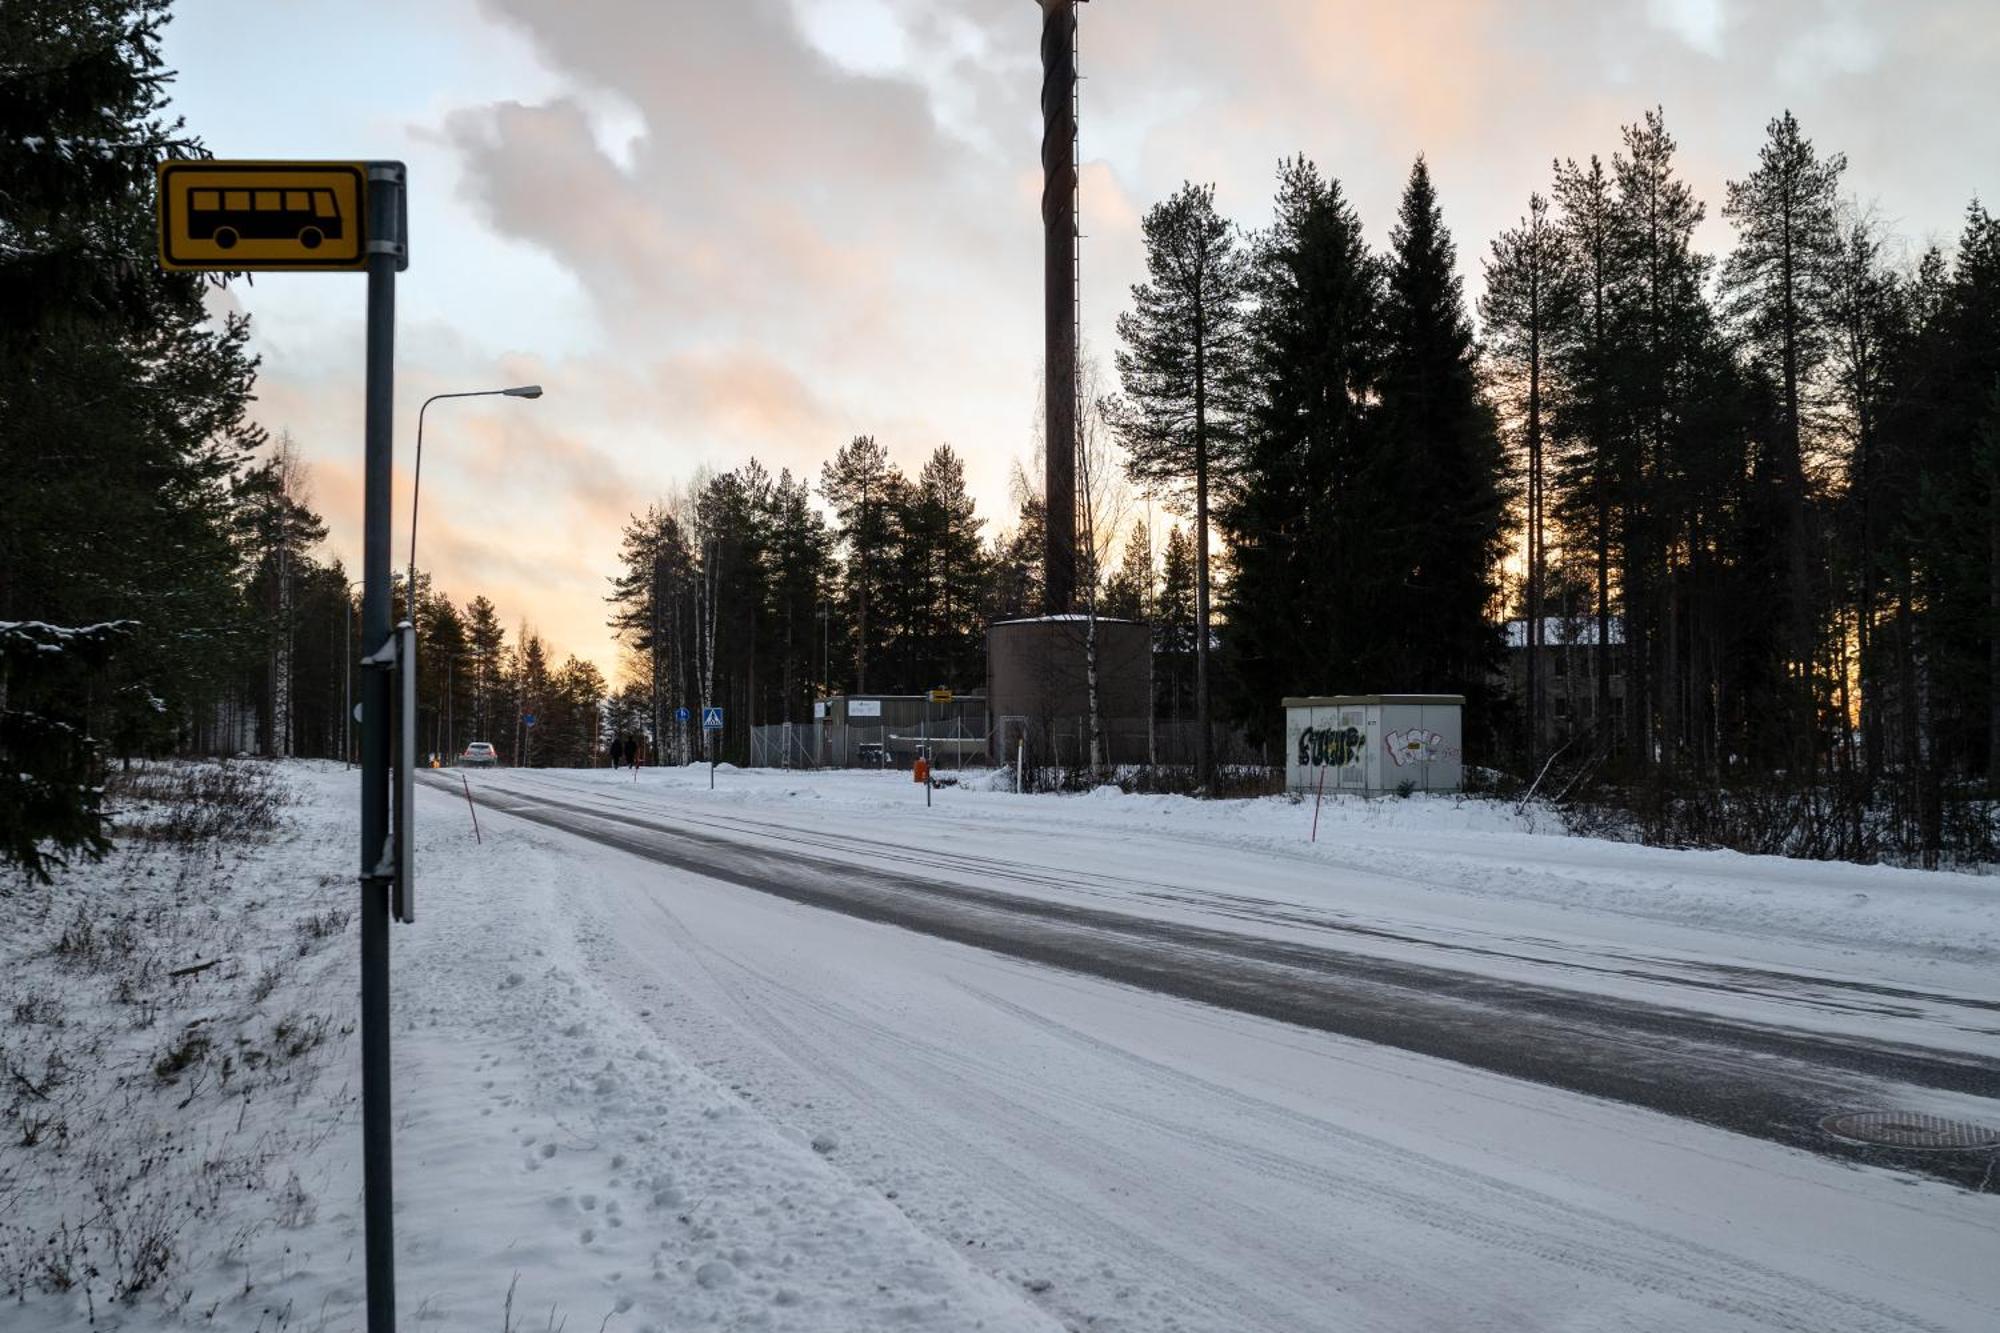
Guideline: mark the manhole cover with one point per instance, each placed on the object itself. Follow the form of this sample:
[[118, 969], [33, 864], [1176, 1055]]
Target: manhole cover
[[1910, 1129]]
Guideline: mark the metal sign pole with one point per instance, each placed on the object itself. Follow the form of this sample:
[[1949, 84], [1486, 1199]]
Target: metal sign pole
[[337, 217], [378, 857]]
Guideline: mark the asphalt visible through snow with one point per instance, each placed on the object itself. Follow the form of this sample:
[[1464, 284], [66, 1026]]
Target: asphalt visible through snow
[[1771, 1083]]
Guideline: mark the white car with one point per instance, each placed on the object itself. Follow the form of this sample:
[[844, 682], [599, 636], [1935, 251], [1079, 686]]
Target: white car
[[480, 754]]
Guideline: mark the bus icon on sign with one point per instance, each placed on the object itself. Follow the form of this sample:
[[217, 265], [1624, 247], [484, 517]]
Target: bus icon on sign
[[225, 217], [264, 216]]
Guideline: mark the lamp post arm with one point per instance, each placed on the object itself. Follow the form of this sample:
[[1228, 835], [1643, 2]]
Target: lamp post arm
[[417, 476]]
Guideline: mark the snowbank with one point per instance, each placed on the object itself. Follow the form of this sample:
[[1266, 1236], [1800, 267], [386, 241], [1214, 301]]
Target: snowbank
[[1452, 856]]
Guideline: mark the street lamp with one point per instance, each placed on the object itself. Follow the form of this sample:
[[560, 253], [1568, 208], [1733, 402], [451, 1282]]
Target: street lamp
[[417, 474]]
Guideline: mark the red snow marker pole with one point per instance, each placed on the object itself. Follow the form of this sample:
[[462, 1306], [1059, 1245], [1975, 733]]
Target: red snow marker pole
[[470, 806], [1318, 792]]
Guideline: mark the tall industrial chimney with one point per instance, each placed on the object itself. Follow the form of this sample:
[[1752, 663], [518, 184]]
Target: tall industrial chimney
[[1059, 281]]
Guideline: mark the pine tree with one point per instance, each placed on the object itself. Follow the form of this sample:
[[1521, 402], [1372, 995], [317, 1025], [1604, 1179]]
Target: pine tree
[[444, 673], [1870, 332], [858, 484], [1661, 327], [1589, 431], [1780, 284], [1527, 311], [1183, 351], [279, 531], [1014, 568], [1440, 463], [1128, 593], [531, 696], [800, 580], [569, 732], [486, 647], [1952, 533], [1174, 629], [951, 565]]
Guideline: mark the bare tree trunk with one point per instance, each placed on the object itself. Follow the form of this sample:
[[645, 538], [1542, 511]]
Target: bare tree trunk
[[1604, 722], [1204, 754], [1993, 631], [1534, 608]]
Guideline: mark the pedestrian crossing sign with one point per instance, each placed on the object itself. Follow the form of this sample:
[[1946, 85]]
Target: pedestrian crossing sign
[[711, 719]]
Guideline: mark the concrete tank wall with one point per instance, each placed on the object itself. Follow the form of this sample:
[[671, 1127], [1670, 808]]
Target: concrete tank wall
[[1037, 687]]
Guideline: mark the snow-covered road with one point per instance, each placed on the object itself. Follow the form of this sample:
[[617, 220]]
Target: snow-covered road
[[1130, 1159]]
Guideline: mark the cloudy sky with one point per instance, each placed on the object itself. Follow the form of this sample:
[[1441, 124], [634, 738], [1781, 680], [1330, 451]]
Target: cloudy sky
[[724, 228]]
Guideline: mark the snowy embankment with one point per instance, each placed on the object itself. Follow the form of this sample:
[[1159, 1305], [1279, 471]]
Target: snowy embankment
[[1433, 845], [181, 1141], [1875, 953]]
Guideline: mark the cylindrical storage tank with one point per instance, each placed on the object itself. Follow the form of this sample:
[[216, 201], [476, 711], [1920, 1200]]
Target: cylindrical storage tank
[[1038, 688]]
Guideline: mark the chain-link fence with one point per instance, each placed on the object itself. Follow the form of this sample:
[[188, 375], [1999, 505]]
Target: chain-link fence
[[952, 744], [785, 745]]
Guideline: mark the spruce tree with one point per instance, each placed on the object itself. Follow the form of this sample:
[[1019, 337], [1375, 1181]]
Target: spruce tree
[[1439, 467], [1301, 510], [1182, 356], [122, 425]]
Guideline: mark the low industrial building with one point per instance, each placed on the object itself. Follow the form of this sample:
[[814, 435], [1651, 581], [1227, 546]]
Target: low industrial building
[[891, 730]]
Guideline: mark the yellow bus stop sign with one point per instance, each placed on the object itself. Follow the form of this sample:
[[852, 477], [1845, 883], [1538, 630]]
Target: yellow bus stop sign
[[263, 216]]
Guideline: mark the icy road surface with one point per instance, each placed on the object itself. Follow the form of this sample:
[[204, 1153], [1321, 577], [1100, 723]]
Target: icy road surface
[[1164, 1066]]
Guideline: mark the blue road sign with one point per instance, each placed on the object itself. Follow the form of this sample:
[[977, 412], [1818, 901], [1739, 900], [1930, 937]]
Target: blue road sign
[[711, 719], [680, 715], [527, 719]]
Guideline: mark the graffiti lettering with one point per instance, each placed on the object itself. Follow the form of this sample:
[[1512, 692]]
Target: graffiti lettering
[[1416, 746], [1339, 746]]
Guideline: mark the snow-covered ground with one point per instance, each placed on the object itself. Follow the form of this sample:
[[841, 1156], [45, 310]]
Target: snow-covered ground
[[558, 1163], [633, 1097]]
